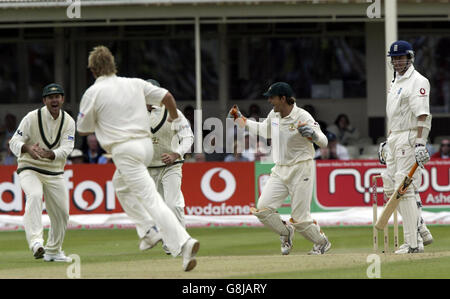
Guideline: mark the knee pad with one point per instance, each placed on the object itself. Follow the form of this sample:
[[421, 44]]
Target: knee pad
[[310, 230], [388, 184], [270, 218]]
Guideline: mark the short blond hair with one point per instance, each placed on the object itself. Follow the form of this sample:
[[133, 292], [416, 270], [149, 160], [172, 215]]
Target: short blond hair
[[101, 62]]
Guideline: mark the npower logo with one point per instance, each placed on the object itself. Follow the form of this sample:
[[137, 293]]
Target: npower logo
[[362, 182], [230, 185]]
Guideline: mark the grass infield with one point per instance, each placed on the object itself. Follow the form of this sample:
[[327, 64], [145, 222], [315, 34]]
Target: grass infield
[[226, 253]]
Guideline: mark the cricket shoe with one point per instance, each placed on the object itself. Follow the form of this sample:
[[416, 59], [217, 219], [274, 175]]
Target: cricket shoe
[[38, 250], [189, 250], [286, 241], [57, 257], [151, 238], [405, 248], [319, 249]]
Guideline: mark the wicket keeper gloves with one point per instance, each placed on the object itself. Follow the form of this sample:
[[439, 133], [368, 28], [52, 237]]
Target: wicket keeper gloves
[[382, 153], [307, 132], [422, 155]]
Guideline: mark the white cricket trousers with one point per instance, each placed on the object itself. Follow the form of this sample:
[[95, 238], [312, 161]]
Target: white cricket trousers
[[168, 184], [297, 181], [53, 188], [399, 160], [131, 159]]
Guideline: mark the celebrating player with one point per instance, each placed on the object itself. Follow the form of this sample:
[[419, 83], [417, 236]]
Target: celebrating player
[[409, 122], [293, 132], [115, 108], [42, 142], [169, 145]]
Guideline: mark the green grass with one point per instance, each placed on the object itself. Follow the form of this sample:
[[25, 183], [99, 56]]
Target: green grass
[[241, 252]]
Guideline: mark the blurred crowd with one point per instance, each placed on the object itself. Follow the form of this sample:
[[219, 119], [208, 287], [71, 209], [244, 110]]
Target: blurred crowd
[[344, 143]]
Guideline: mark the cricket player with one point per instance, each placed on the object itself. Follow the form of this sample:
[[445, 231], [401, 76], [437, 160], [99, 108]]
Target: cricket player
[[293, 132], [42, 142], [169, 147], [409, 123], [115, 109]]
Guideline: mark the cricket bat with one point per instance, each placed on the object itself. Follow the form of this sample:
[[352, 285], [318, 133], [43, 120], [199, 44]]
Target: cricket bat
[[393, 202]]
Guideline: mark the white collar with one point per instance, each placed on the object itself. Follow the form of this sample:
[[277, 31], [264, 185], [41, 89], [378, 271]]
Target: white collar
[[101, 78]]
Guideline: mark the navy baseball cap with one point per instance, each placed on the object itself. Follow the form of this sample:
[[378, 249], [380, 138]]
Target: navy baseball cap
[[52, 88], [279, 89], [400, 48]]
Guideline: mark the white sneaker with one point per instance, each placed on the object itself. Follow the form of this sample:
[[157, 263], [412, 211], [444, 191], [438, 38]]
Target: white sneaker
[[38, 250], [319, 249], [405, 248], [151, 238], [57, 257], [286, 241], [189, 250]]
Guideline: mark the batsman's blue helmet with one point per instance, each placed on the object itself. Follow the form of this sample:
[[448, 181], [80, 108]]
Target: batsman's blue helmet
[[400, 48]]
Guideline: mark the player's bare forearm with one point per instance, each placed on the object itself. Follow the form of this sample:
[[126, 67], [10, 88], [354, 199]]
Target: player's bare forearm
[[171, 105]]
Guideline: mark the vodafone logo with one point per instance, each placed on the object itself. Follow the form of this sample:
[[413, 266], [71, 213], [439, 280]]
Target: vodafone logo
[[422, 91], [225, 194]]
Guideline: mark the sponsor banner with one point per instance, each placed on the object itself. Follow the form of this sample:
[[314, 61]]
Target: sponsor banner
[[89, 185], [232, 188], [345, 184], [210, 189], [218, 188]]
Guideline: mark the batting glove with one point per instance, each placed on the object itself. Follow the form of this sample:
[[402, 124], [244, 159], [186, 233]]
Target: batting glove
[[422, 155], [307, 132], [382, 153]]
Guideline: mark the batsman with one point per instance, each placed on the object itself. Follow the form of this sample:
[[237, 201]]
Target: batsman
[[409, 123]]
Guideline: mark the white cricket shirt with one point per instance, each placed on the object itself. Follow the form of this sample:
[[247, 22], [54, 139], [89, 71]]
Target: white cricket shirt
[[167, 140], [50, 133], [115, 109], [288, 146], [408, 98]]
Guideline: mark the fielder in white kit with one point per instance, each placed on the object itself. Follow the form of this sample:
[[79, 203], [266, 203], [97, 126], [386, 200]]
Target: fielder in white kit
[[42, 142], [115, 109], [169, 146], [409, 123], [293, 132]]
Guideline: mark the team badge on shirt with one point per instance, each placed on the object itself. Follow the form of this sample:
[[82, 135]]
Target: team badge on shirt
[[292, 127]]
